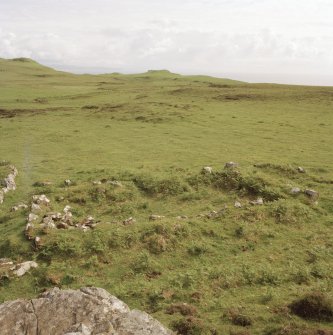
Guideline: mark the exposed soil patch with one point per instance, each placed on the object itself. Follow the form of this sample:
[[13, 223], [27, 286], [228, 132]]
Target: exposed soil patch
[[240, 97], [10, 113], [314, 306], [294, 330]]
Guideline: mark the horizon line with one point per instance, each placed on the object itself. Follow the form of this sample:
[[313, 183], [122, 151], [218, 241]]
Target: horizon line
[[97, 70]]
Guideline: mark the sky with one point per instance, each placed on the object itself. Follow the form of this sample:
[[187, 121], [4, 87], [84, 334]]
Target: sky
[[284, 41]]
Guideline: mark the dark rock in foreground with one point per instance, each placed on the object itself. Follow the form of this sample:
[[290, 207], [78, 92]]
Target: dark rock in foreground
[[87, 311]]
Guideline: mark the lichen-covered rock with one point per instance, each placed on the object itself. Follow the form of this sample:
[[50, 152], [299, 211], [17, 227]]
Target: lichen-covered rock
[[87, 311]]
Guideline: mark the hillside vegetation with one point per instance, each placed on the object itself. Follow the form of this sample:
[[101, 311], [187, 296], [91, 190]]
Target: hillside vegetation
[[197, 250]]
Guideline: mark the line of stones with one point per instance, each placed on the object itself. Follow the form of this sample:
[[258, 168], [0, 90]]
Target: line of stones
[[8, 183]]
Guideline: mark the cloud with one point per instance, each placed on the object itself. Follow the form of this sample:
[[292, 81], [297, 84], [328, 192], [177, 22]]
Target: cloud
[[197, 36]]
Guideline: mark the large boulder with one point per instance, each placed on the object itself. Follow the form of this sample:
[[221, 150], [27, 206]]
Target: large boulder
[[88, 311]]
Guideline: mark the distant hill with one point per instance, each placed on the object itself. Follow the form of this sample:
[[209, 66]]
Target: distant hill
[[28, 66]]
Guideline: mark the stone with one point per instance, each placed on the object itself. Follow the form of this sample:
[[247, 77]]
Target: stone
[[35, 207], [46, 183], [37, 242], [10, 182], [129, 221], [311, 193], [207, 169], [68, 182], [23, 268], [14, 171], [182, 217], [230, 165], [237, 204], [18, 207], [300, 169], [28, 232], [47, 219], [41, 199], [295, 190], [67, 218], [88, 311], [84, 228], [115, 183], [5, 262], [213, 214], [48, 223], [56, 216], [67, 209], [156, 217], [32, 217], [89, 221], [257, 202], [97, 182], [62, 225]]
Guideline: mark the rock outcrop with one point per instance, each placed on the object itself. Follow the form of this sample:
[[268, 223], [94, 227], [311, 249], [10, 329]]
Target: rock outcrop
[[88, 311], [8, 184]]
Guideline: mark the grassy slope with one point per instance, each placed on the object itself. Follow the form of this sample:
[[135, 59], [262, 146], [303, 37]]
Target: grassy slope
[[55, 126]]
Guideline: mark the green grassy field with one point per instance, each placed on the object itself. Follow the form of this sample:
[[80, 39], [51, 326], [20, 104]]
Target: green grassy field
[[238, 271]]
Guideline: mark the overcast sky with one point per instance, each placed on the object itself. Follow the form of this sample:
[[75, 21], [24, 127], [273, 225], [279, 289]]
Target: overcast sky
[[288, 41]]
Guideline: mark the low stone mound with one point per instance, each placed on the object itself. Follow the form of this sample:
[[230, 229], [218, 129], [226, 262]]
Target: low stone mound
[[87, 311]]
